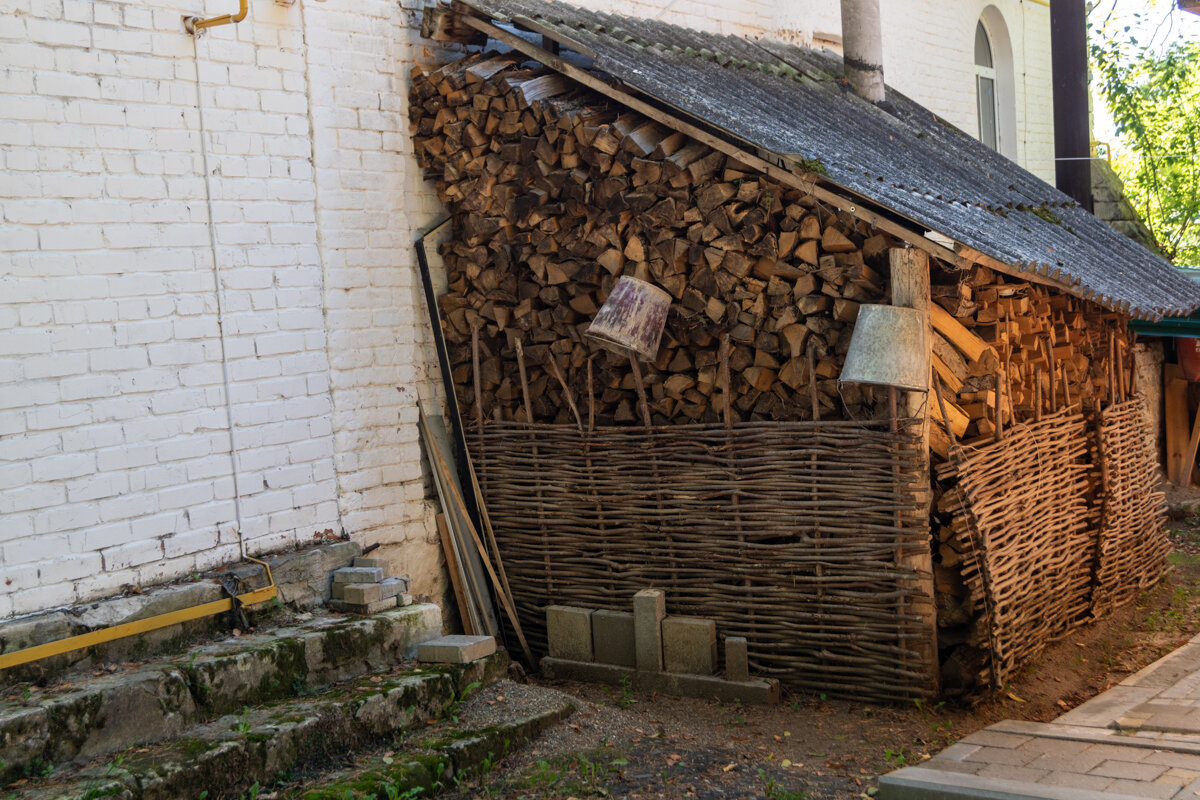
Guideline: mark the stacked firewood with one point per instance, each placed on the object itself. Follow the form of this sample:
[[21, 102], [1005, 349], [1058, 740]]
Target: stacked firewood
[[557, 192], [1008, 351]]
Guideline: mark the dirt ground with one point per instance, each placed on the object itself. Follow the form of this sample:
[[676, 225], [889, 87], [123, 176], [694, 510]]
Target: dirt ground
[[622, 744]]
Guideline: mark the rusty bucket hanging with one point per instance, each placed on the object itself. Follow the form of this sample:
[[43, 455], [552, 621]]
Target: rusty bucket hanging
[[888, 348], [632, 319]]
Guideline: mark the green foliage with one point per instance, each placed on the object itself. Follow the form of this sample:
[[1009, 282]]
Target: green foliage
[[1153, 94]]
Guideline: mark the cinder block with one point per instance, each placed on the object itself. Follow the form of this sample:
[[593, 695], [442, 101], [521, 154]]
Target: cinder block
[[456, 649], [358, 575], [394, 586], [612, 638], [365, 562], [649, 608], [362, 593], [368, 609], [737, 660], [689, 645], [569, 631]]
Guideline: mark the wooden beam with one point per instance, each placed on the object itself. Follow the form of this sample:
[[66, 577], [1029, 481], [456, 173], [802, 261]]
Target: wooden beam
[[910, 289]]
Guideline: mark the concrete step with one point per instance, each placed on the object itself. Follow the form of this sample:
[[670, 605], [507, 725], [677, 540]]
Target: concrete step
[[468, 740], [96, 716], [229, 756], [301, 577]]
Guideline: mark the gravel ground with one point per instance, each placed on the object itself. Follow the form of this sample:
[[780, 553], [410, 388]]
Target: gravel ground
[[628, 745]]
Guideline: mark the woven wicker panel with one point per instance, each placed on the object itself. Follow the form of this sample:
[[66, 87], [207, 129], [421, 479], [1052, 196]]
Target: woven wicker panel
[[1028, 529], [1133, 533], [790, 534]]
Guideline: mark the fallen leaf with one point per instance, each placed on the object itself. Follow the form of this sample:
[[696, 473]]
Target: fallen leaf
[[1014, 697], [785, 763], [728, 767]]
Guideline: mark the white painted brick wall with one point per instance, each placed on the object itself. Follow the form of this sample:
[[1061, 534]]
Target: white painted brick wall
[[115, 460]]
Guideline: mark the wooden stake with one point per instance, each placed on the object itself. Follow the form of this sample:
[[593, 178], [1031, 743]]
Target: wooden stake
[[812, 384], [1053, 373], [727, 389], [1066, 384], [591, 398], [997, 409], [641, 390], [524, 382], [566, 390], [1037, 395], [475, 369]]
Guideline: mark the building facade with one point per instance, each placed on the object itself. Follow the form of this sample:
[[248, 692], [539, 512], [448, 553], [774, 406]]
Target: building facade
[[214, 342]]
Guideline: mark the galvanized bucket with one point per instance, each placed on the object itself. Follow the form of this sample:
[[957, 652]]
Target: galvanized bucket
[[632, 319], [888, 348]]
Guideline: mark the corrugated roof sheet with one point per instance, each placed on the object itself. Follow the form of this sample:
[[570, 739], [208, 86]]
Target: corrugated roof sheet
[[792, 101]]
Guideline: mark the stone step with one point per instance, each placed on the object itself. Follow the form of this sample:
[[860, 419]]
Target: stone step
[[96, 716], [469, 740], [229, 756], [301, 577]]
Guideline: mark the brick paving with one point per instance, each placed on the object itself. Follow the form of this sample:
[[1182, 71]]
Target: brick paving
[[1139, 739]]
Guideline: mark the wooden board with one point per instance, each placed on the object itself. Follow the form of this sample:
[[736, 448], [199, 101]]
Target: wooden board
[[1175, 419]]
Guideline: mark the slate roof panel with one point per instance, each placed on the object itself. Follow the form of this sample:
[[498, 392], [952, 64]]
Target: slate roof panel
[[791, 101]]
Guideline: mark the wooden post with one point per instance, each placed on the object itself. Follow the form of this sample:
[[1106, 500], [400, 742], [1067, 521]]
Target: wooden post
[[910, 289]]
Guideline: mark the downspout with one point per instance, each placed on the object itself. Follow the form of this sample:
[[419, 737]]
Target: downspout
[[862, 48], [1072, 121], [192, 24]]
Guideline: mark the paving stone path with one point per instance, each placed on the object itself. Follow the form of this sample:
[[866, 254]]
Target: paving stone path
[[1139, 739]]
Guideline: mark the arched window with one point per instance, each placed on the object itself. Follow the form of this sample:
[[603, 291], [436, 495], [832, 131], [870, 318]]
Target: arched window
[[985, 88]]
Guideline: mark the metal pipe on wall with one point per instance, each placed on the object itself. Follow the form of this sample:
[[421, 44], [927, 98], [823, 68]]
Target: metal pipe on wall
[[192, 24], [1072, 118]]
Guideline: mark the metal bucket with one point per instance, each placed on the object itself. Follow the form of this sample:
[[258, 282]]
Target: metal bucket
[[888, 348], [632, 318]]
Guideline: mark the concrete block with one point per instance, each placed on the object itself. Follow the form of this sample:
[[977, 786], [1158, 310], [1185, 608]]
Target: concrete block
[[649, 608], [613, 641], [358, 575], [366, 562], [362, 593], [737, 659], [569, 632], [689, 645], [394, 586], [358, 608], [404, 599], [456, 649]]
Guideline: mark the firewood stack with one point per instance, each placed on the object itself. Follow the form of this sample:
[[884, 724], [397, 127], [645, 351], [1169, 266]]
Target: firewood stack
[[1045, 349], [557, 192]]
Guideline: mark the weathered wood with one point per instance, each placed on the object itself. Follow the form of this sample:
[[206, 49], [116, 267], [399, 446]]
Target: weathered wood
[[1175, 420]]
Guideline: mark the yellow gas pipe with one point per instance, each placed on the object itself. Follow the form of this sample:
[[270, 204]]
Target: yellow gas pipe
[[193, 24], [103, 635]]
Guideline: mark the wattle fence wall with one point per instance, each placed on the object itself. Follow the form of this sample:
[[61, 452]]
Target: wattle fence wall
[[797, 536], [1059, 523]]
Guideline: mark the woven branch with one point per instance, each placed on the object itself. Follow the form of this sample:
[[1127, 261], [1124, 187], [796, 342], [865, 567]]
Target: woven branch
[[1133, 539], [806, 564], [1060, 522]]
